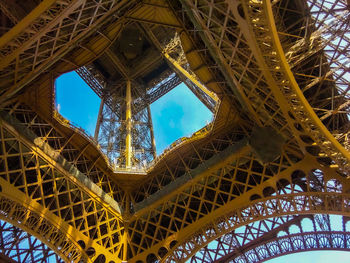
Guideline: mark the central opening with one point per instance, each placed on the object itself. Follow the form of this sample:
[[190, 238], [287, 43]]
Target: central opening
[[145, 96], [176, 115]]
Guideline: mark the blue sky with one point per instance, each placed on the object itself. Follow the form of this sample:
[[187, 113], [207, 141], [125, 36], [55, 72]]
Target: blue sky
[[77, 102], [179, 113], [314, 257]]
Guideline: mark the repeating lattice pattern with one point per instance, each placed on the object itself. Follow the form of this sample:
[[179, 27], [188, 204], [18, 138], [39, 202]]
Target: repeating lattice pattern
[[22, 247], [281, 64], [55, 28], [30, 172]]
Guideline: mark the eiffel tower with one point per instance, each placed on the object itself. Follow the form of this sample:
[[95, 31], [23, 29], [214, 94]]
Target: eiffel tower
[[275, 74]]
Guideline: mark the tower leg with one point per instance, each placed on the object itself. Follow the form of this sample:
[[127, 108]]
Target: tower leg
[[98, 121], [150, 124], [128, 150]]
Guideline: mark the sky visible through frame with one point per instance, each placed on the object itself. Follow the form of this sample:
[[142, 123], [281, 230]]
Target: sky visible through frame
[[177, 114]]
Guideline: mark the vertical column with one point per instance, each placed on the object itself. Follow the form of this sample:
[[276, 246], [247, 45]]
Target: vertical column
[[150, 124], [128, 150], [126, 216], [98, 121]]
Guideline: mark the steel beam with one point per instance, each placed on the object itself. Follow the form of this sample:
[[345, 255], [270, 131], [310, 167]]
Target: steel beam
[[221, 159], [128, 121], [99, 120], [150, 125], [218, 57], [71, 172]]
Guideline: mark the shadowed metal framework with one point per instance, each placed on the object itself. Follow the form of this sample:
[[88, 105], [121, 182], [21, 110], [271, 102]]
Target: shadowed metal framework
[[276, 76], [274, 237], [19, 246]]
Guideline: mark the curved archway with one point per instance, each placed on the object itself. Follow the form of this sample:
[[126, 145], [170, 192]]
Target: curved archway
[[261, 240], [275, 206], [309, 241], [30, 203], [23, 247], [38, 225], [319, 256]]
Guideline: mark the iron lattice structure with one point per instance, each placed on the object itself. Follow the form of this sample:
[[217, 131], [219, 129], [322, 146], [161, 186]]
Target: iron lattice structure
[[274, 73]]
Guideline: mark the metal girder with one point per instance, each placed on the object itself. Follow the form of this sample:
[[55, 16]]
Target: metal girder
[[229, 155], [94, 83], [33, 219], [255, 242], [63, 144], [273, 90], [60, 163], [332, 205], [99, 120], [292, 92], [25, 23], [57, 196], [33, 121], [222, 249], [214, 49], [6, 10], [115, 137], [296, 243], [157, 92], [150, 124], [152, 94], [121, 68], [18, 246], [184, 211], [128, 149], [207, 97], [203, 97], [29, 48]]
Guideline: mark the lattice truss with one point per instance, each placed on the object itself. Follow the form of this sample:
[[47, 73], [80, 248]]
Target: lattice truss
[[67, 205], [111, 124], [20, 246], [262, 181], [246, 67], [275, 237], [112, 131], [50, 33]]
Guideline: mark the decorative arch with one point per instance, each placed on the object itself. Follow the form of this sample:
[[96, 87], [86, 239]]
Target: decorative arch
[[296, 243], [269, 238], [39, 203], [40, 226], [307, 203], [18, 245], [302, 198]]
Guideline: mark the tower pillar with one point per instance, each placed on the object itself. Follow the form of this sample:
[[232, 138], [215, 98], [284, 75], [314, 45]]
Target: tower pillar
[[128, 148]]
